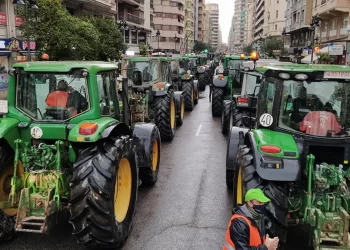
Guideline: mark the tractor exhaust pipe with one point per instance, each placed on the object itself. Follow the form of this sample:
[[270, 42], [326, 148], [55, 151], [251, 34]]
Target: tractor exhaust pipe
[[126, 108]]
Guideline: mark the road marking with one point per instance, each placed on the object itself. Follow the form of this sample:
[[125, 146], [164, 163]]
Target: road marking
[[199, 129]]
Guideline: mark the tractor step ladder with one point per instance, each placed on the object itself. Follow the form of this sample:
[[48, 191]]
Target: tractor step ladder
[[31, 224]]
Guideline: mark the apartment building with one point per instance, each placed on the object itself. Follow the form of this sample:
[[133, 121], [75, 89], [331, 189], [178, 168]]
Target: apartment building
[[102, 8], [203, 22], [214, 24], [190, 11], [298, 18], [250, 7], [169, 20], [239, 27]]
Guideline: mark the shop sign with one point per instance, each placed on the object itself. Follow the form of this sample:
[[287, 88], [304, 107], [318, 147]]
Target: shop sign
[[3, 18], [25, 45], [19, 21], [9, 44], [335, 50], [4, 81]]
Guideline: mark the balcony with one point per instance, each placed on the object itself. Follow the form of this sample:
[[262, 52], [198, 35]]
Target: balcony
[[131, 18], [132, 2], [330, 8]]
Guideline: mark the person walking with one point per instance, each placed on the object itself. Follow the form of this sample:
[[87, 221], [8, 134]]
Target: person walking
[[246, 228]]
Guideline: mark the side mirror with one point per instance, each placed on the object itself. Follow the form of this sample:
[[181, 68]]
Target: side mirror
[[137, 77], [226, 72], [258, 80]]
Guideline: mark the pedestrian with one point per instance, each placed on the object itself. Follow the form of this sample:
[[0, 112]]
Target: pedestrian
[[246, 228]]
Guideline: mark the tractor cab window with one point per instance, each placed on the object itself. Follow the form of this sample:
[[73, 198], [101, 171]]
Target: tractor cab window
[[149, 70], [251, 84], [106, 91], [174, 67], [51, 96], [183, 65], [316, 108], [266, 96]]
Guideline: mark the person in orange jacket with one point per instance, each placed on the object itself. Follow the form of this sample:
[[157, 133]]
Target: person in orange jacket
[[245, 230]]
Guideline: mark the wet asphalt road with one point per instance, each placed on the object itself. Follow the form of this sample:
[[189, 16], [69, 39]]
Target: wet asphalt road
[[188, 208]]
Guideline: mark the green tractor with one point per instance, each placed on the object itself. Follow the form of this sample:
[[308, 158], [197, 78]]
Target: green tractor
[[199, 71], [298, 155], [184, 81], [227, 84], [64, 150], [153, 97]]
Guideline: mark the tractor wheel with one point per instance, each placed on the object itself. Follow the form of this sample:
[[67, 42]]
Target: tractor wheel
[[225, 117], [181, 113], [196, 95], [149, 173], [103, 193], [189, 95], [201, 83], [246, 177], [165, 115], [217, 100], [236, 117]]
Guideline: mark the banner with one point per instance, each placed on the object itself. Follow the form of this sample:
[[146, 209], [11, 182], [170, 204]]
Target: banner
[[3, 81]]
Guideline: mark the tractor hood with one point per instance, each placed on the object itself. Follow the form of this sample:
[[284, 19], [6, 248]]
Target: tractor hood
[[220, 82]]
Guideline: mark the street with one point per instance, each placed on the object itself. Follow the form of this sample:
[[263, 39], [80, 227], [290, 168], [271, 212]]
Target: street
[[188, 208]]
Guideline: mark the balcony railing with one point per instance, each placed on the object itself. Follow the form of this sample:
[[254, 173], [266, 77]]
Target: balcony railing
[[131, 18]]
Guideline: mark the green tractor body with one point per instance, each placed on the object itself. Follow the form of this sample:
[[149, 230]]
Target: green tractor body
[[199, 70], [227, 84], [297, 154], [153, 96], [183, 80], [63, 149]]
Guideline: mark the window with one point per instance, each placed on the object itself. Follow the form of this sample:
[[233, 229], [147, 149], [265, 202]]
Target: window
[[158, 14], [134, 37], [266, 96], [345, 22], [165, 27], [127, 36], [106, 90], [275, 27], [324, 27], [276, 13], [302, 15], [149, 70], [334, 24], [157, 26]]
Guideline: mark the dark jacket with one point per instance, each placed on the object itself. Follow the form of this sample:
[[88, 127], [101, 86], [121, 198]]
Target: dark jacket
[[239, 230]]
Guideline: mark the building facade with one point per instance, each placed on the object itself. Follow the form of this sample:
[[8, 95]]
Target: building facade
[[250, 7], [214, 24], [169, 20], [298, 19], [190, 12], [203, 22], [239, 27]]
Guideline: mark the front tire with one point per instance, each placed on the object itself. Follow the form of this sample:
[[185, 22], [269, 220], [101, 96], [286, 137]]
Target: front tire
[[225, 117], [103, 193], [165, 115], [189, 95], [217, 100]]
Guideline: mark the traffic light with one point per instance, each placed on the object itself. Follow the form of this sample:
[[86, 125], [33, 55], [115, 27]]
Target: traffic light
[[205, 51]]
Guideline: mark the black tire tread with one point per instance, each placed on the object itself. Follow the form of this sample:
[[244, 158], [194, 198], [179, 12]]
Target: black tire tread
[[217, 100], [201, 83], [162, 115], [187, 88], [225, 117]]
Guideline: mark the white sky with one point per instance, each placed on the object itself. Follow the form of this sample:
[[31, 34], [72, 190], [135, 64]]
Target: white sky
[[226, 10]]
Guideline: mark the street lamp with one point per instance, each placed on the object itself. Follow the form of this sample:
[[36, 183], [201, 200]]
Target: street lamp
[[314, 23], [28, 5], [158, 35]]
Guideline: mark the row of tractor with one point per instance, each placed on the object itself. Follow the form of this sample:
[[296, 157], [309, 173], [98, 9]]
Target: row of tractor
[[288, 133], [78, 138]]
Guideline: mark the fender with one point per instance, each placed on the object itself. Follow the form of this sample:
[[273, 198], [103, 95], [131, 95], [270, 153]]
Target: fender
[[200, 69], [195, 84], [102, 124], [178, 95], [142, 136], [9, 130], [233, 145], [288, 158], [161, 88], [220, 82]]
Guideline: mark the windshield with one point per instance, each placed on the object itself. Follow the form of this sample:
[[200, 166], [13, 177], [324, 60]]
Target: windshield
[[149, 70], [51, 96], [183, 65], [174, 67], [316, 108]]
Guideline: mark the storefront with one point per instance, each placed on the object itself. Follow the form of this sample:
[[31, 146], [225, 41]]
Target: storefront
[[13, 50]]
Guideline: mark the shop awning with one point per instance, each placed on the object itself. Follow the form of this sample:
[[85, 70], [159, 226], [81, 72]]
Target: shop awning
[[307, 59], [5, 53]]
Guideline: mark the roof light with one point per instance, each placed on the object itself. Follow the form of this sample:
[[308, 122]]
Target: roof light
[[301, 76], [254, 55], [240, 99], [271, 149], [87, 128], [242, 56], [285, 76]]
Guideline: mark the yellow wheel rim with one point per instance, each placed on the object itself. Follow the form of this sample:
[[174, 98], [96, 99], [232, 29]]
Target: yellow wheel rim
[[182, 112], [5, 184], [172, 114], [155, 155], [197, 94], [239, 196], [192, 96], [122, 192]]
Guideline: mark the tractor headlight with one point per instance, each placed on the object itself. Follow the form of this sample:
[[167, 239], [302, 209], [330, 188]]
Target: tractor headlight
[[84, 72], [301, 76], [285, 76]]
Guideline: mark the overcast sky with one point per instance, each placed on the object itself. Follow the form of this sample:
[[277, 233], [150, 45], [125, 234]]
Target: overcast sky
[[226, 10]]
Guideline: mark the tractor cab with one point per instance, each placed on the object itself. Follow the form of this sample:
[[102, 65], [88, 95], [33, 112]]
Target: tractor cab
[[298, 154]]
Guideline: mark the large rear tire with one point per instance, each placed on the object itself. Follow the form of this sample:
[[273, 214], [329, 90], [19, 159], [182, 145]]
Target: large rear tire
[[181, 113], [196, 96], [217, 100], [246, 177], [149, 173], [189, 95], [103, 193], [236, 117], [165, 115], [225, 117]]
